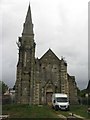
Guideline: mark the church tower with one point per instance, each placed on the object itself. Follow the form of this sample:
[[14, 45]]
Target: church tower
[[26, 61]]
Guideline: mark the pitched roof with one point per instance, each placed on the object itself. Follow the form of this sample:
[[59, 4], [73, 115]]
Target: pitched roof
[[50, 54], [88, 87]]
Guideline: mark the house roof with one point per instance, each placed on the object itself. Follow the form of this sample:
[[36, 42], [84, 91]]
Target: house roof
[[88, 87]]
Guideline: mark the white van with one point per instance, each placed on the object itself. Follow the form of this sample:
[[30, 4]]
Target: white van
[[60, 101]]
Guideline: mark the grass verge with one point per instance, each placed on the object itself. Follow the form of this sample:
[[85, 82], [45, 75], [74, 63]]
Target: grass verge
[[27, 111], [80, 110]]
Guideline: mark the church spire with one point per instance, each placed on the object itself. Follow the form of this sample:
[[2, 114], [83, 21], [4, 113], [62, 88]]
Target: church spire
[[28, 17], [28, 26]]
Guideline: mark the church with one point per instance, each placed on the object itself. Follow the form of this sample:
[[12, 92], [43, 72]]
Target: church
[[37, 79]]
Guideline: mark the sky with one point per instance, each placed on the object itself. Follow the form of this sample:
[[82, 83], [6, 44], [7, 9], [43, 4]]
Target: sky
[[61, 25]]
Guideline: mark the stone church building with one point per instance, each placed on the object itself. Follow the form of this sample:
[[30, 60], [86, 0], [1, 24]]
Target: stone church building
[[37, 79]]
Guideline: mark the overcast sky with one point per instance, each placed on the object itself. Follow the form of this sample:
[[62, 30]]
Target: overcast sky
[[61, 25]]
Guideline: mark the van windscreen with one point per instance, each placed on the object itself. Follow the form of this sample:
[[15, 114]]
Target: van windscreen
[[61, 99]]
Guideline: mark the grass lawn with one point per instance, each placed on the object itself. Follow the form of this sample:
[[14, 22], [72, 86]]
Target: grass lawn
[[80, 110], [27, 111]]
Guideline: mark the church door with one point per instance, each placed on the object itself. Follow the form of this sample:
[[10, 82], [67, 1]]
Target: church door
[[49, 98]]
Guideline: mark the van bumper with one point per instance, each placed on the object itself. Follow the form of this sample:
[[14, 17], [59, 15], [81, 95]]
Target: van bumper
[[64, 107]]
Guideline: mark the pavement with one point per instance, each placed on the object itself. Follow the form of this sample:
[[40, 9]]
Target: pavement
[[71, 117], [3, 117]]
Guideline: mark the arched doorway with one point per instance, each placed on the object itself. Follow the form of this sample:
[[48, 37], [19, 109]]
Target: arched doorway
[[49, 92]]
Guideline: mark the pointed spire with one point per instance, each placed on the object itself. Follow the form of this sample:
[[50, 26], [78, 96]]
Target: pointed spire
[[28, 17], [28, 26]]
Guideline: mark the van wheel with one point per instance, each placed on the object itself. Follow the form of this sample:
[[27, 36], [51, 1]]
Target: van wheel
[[56, 107], [68, 109]]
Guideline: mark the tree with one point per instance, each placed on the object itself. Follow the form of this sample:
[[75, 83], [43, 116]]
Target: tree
[[3, 87]]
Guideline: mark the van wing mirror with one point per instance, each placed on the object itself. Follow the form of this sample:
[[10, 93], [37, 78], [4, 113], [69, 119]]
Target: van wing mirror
[[54, 101]]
